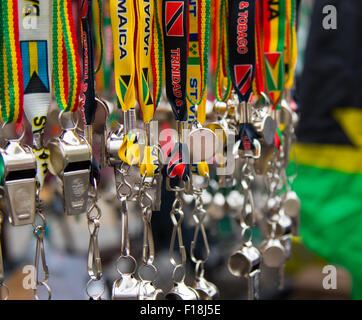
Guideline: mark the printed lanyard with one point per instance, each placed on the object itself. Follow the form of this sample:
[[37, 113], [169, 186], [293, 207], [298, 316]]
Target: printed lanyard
[[175, 36], [290, 52], [66, 68], [145, 9], [197, 64], [11, 69], [274, 21], [175, 27], [123, 27], [149, 57], [242, 46], [88, 96], [222, 81], [34, 35]]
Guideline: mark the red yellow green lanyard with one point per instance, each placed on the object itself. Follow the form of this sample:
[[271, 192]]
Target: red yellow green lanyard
[[260, 71], [103, 39], [157, 52], [290, 52], [274, 21], [11, 69], [66, 68], [222, 82]]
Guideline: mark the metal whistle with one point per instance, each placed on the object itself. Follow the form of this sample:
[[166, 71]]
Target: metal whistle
[[19, 181], [70, 157]]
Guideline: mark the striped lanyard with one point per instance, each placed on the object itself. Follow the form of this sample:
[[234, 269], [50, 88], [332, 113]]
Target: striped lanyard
[[197, 63], [259, 84], [290, 52], [34, 32], [11, 69], [274, 22], [103, 39], [66, 67], [222, 83]]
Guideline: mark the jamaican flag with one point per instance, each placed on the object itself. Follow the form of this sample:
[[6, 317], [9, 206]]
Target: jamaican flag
[[329, 148]]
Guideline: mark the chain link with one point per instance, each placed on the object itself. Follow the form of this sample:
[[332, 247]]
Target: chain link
[[39, 232], [247, 210]]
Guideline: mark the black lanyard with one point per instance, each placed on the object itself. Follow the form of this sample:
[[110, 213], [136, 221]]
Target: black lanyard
[[88, 101], [175, 33], [241, 32]]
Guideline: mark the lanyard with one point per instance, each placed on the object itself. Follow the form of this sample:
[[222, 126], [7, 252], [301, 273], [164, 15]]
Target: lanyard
[[11, 84], [103, 39], [222, 75], [88, 102], [66, 69], [175, 27], [34, 35], [259, 71], [274, 21], [290, 52], [145, 9], [197, 63], [123, 27], [157, 52], [242, 46]]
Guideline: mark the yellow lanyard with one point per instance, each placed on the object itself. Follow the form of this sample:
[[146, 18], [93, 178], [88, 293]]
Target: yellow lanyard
[[123, 25]]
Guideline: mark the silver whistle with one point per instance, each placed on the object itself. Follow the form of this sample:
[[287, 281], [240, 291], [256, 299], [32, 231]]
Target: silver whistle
[[70, 157], [19, 180]]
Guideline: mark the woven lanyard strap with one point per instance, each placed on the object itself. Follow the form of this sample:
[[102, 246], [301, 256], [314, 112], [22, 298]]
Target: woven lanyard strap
[[157, 52], [290, 52], [11, 73], [274, 21], [103, 39], [197, 63], [87, 101], [259, 71], [66, 68], [34, 35], [145, 10], [242, 46], [123, 27], [223, 84], [174, 18]]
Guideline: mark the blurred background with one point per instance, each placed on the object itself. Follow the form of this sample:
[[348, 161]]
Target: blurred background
[[327, 160]]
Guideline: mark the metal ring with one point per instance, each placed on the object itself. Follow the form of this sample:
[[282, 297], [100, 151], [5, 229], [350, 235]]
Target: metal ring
[[21, 135], [174, 273], [60, 116], [153, 267], [131, 259], [246, 234], [3, 285], [46, 286], [96, 296]]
